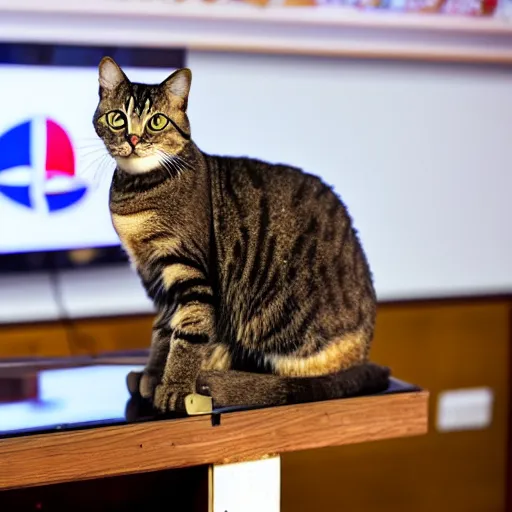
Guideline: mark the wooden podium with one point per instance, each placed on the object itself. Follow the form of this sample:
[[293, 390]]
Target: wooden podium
[[225, 462]]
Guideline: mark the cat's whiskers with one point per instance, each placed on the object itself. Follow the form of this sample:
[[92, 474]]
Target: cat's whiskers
[[92, 153], [170, 164], [167, 166], [178, 167], [88, 166], [102, 167], [185, 165], [184, 162], [83, 150], [86, 143], [105, 169], [97, 144], [98, 160]]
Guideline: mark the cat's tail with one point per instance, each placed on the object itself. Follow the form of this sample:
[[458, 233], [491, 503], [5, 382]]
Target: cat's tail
[[250, 389], [364, 379]]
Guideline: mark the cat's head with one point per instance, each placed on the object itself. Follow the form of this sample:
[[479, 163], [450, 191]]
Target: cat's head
[[142, 126]]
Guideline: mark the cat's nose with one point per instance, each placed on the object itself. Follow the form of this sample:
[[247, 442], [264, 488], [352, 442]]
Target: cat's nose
[[133, 139]]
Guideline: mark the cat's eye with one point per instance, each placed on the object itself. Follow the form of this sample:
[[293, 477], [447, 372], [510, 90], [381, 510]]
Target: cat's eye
[[116, 120], [158, 122]]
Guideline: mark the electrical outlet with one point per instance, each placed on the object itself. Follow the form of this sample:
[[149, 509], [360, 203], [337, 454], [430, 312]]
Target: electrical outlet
[[464, 409]]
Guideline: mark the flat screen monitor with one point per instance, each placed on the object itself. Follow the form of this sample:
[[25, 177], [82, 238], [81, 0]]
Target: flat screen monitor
[[54, 171]]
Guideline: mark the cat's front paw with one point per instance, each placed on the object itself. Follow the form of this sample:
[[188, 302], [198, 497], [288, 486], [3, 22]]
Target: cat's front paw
[[142, 383], [170, 397], [133, 382]]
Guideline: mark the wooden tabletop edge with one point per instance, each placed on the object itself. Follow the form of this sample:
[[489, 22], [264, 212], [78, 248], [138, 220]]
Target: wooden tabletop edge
[[415, 395], [45, 459]]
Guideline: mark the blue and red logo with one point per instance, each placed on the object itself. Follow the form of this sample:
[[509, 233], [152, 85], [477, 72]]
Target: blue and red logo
[[37, 166]]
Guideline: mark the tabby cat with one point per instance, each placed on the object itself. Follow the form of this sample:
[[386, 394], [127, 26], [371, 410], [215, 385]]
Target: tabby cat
[[262, 290]]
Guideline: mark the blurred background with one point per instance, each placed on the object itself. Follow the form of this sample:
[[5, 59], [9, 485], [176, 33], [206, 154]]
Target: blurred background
[[404, 106]]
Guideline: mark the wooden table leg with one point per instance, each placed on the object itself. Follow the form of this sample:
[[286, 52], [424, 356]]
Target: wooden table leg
[[246, 486]]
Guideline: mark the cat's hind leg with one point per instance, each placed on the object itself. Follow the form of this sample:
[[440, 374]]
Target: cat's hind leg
[[235, 388]]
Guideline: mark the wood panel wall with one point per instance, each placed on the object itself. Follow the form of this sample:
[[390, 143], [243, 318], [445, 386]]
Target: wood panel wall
[[438, 345]]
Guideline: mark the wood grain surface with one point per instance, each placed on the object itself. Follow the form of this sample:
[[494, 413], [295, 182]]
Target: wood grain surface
[[439, 345], [249, 435]]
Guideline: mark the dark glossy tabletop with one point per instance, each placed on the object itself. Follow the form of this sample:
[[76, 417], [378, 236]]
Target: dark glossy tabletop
[[93, 394]]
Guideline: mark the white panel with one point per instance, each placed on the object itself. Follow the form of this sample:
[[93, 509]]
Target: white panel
[[112, 290], [27, 298], [248, 486], [420, 153], [104, 291], [465, 409]]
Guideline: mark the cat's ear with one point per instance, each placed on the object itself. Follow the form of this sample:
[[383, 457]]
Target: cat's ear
[[110, 74], [178, 84]]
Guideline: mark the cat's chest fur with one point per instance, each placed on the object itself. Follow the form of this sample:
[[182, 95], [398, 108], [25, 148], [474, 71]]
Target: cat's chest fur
[[153, 223], [132, 229], [137, 217]]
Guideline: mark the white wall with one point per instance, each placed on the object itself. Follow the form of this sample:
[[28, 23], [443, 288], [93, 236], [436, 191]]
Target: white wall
[[420, 153]]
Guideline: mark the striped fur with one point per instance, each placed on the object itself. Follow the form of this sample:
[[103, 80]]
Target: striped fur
[[263, 291]]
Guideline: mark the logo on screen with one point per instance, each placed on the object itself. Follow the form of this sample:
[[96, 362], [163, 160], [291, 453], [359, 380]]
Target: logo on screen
[[37, 166]]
